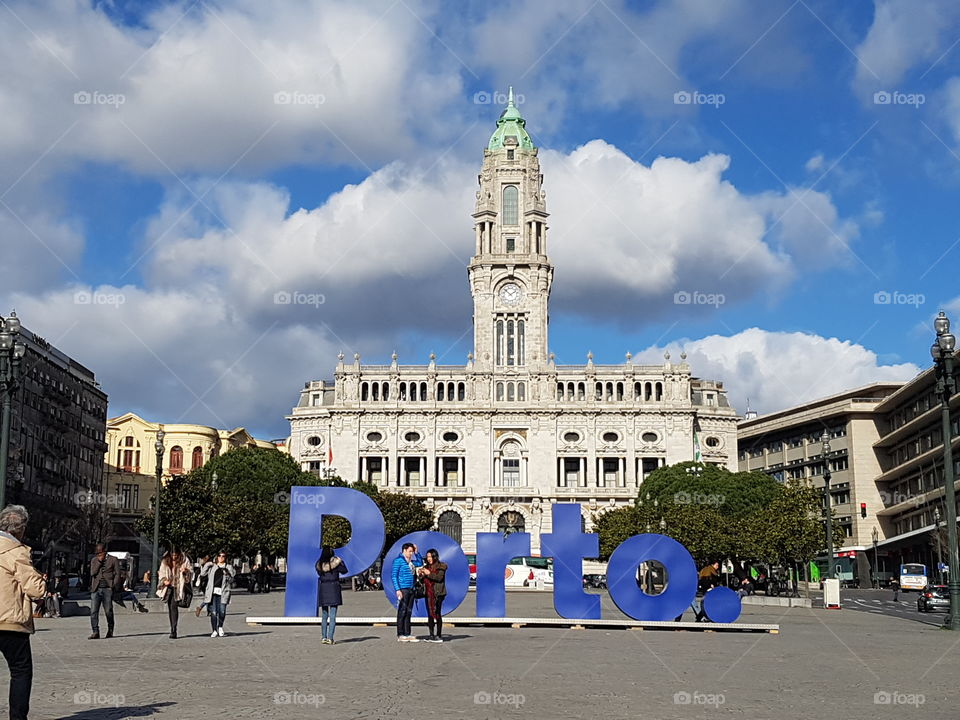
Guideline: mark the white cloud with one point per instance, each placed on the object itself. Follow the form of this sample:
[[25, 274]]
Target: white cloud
[[777, 370]]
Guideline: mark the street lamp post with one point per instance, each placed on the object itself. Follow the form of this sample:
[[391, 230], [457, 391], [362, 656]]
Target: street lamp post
[[11, 352], [936, 518], [876, 568], [156, 516], [942, 352], [825, 439], [649, 565]]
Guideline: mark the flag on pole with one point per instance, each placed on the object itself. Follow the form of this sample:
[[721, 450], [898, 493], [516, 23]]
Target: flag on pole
[[329, 456]]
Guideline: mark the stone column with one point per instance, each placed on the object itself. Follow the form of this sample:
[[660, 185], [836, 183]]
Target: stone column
[[363, 468], [423, 471], [622, 480], [523, 471], [583, 472], [461, 480]]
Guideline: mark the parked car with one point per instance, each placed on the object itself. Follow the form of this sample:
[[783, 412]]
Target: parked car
[[595, 580], [526, 571], [933, 598]]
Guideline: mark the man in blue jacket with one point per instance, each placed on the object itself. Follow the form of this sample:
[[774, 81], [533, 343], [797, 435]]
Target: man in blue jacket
[[403, 573]]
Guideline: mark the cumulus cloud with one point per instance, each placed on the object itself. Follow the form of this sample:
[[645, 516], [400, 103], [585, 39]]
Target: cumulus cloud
[[776, 370]]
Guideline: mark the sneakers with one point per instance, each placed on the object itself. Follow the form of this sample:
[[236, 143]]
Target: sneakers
[[214, 634], [411, 638], [220, 631], [434, 639], [326, 641], [407, 638]]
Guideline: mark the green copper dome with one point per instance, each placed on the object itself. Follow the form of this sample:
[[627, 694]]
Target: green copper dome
[[510, 124]]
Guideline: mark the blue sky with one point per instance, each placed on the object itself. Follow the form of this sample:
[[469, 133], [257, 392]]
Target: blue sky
[[159, 195]]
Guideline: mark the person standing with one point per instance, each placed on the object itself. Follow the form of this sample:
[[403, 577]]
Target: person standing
[[174, 579], [20, 585], [104, 572], [216, 595], [329, 568], [434, 574], [403, 573]]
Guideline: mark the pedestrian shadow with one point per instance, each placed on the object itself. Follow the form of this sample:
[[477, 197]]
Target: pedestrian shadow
[[357, 639], [118, 713]]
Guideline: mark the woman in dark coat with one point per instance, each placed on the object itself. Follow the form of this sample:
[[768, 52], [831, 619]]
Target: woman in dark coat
[[434, 574], [329, 568]]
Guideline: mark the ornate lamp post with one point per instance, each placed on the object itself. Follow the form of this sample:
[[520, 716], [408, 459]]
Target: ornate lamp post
[[825, 439], [876, 568], [936, 518], [11, 352], [942, 352], [156, 516]]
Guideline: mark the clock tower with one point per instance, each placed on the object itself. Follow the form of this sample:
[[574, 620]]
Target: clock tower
[[510, 274]]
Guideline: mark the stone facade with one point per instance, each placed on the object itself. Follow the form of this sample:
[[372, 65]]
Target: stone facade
[[490, 444]]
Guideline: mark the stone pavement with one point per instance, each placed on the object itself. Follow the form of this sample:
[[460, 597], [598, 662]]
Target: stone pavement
[[838, 664]]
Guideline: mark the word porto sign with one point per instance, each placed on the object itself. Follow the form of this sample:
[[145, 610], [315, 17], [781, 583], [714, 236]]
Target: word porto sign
[[567, 545]]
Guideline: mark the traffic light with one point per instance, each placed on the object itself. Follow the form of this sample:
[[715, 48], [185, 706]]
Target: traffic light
[[863, 510]]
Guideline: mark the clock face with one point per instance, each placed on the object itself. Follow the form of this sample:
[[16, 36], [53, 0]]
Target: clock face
[[511, 294]]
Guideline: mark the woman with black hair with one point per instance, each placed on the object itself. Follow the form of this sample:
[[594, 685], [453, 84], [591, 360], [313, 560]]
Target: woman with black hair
[[329, 568], [434, 574]]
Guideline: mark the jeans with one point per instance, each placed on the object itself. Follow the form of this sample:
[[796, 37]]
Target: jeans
[[173, 610], [101, 596], [436, 617], [15, 647], [404, 611], [328, 621], [218, 612]]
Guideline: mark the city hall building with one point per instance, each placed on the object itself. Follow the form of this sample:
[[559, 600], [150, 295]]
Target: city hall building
[[490, 444]]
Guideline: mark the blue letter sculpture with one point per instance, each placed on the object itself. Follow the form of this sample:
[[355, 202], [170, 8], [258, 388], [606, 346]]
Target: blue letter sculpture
[[308, 507], [569, 547], [494, 551]]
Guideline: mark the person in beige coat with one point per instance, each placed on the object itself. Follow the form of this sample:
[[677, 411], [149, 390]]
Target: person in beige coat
[[20, 585], [174, 580]]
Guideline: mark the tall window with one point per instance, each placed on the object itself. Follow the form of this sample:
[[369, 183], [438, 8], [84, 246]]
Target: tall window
[[510, 522], [510, 340], [499, 342], [176, 459], [511, 203], [197, 460]]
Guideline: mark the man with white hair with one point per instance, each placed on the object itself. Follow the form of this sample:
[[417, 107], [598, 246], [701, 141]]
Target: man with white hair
[[20, 585]]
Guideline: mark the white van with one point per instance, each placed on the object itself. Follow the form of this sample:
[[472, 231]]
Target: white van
[[528, 571]]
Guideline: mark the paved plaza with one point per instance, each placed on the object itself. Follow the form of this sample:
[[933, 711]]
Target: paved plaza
[[862, 665]]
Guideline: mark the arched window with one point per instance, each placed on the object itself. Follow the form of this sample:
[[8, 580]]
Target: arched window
[[599, 391], [659, 392], [581, 391], [511, 205], [376, 391], [560, 391], [386, 391], [510, 396], [450, 391], [450, 524], [402, 389], [609, 391], [620, 391], [423, 392], [364, 391], [510, 522], [499, 391], [461, 391], [521, 345], [521, 391], [439, 391], [511, 343], [637, 391], [647, 391], [197, 460], [176, 459]]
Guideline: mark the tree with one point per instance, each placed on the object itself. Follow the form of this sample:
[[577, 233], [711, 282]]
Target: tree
[[615, 526]]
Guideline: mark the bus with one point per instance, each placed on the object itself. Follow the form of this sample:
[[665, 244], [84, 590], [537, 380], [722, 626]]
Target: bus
[[913, 576]]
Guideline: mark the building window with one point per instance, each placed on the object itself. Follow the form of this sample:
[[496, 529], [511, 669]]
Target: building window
[[412, 437], [511, 203], [499, 333], [176, 459], [129, 496], [511, 472], [500, 391], [451, 525], [450, 436], [510, 522], [509, 157], [374, 437], [511, 245], [197, 460]]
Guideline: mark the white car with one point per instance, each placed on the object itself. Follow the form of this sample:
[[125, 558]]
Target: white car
[[527, 571]]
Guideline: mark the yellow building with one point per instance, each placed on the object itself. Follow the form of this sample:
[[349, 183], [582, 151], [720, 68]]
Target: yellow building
[[130, 466]]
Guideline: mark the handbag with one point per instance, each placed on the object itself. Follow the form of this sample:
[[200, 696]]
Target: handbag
[[187, 599], [419, 589]]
